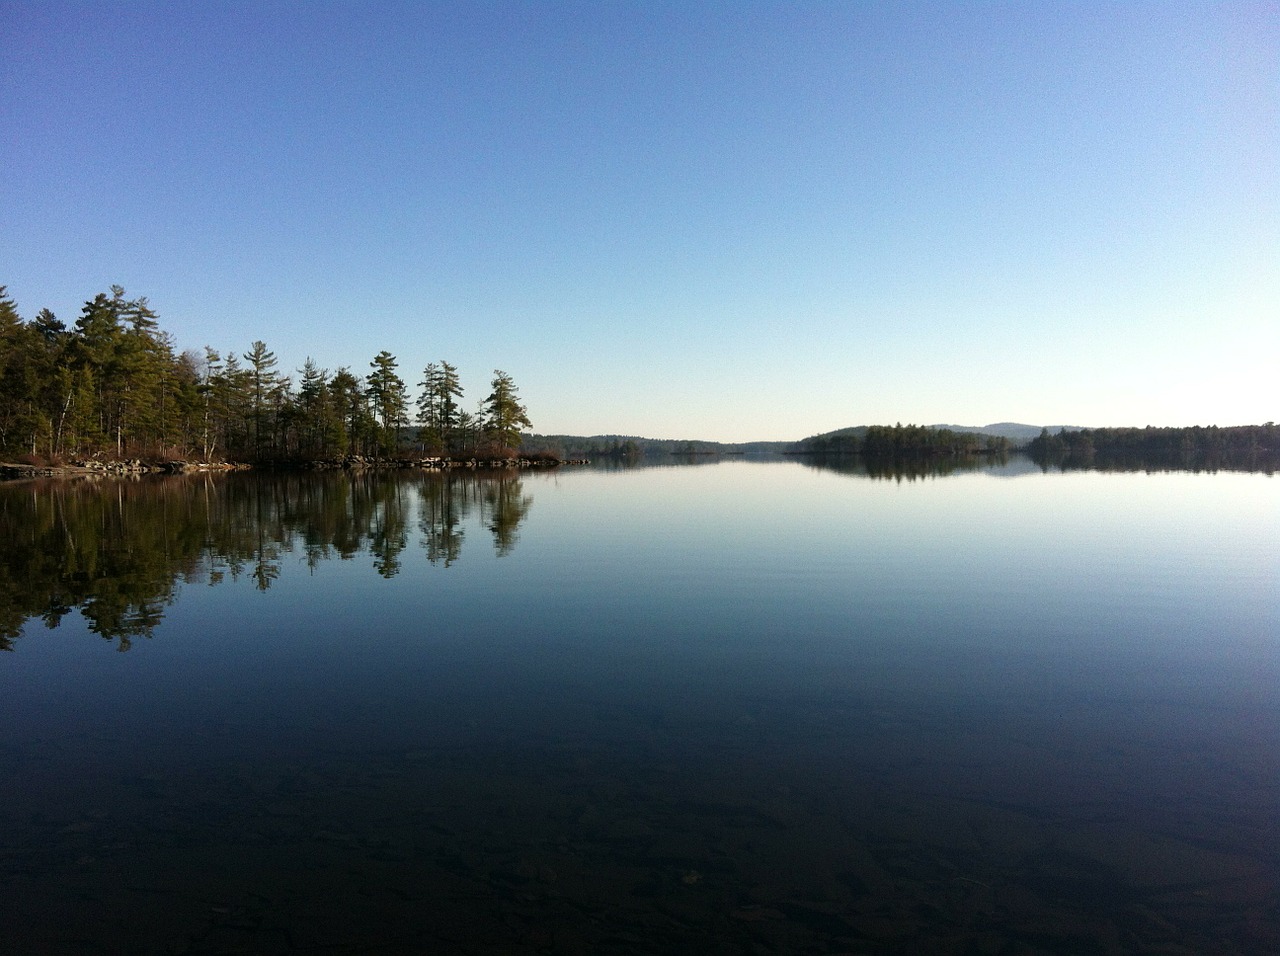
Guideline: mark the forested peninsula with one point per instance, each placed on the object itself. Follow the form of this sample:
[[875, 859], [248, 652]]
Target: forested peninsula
[[114, 386]]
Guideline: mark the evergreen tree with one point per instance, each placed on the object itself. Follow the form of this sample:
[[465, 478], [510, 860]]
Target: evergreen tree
[[315, 411], [9, 317], [116, 382], [352, 411], [262, 379], [10, 363], [50, 341], [438, 410], [50, 329], [184, 422], [98, 343], [503, 415], [233, 406], [389, 399], [30, 379], [144, 376]]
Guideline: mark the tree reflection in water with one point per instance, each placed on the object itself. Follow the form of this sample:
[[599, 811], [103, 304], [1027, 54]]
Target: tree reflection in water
[[117, 550]]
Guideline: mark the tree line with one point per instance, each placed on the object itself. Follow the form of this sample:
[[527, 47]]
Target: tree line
[[115, 384], [902, 441], [1244, 445]]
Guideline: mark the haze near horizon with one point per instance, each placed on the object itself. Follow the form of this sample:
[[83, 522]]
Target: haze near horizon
[[726, 222]]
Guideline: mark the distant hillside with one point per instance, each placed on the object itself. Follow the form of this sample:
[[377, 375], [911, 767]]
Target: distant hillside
[[1017, 432], [904, 441], [636, 446]]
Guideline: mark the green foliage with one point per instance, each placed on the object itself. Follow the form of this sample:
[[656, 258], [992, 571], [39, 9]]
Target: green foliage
[[317, 420], [439, 414], [351, 407], [115, 385], [389, 400], [504, 415], [902, 441], [262, 380], [1236, 446]]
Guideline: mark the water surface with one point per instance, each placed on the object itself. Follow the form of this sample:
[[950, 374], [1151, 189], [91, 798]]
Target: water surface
[[742, 707]]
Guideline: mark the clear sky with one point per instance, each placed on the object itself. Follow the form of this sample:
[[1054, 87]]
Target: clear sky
[[726, 221]]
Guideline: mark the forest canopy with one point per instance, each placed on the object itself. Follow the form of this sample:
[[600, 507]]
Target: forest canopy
[[1233, 444], [901, 441], [113, 383]]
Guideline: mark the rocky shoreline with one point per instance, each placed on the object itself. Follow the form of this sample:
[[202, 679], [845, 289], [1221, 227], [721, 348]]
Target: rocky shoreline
[[95, 468], [112, 468], [360, 461]]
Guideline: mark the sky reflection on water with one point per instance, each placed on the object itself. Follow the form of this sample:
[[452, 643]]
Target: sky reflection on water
[[734, 706]]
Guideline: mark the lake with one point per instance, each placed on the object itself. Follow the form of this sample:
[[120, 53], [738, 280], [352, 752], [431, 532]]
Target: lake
[[738, 707]]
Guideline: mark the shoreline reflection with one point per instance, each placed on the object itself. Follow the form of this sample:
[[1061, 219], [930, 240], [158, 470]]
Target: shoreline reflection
[[117, 551]]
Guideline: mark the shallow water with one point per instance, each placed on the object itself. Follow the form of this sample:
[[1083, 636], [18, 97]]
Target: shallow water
[[743, 707]]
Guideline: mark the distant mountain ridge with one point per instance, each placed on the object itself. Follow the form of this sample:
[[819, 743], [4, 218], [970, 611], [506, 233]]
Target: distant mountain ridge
[[598, 446], [1017, 432]]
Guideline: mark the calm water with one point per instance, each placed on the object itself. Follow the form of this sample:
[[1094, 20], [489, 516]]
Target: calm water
[[746, 707]]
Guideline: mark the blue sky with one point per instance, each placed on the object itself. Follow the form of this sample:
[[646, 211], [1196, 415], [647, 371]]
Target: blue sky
[[728, 221]]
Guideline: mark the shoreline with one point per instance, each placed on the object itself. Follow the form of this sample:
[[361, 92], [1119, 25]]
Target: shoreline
[[135, 467]]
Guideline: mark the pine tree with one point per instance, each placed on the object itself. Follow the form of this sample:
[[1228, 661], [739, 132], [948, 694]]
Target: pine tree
[[233, 406], [262, 378], [389, 399], [314, 410], [10, 363], [504, 415], [352, 411], [438, 408]]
